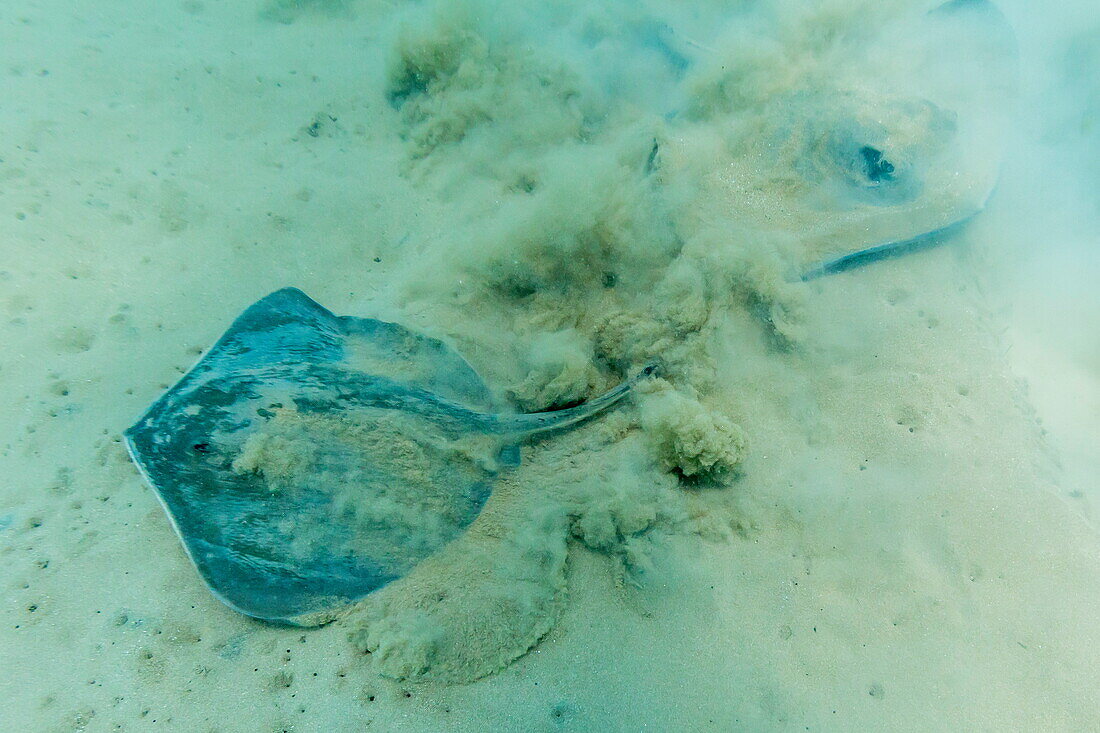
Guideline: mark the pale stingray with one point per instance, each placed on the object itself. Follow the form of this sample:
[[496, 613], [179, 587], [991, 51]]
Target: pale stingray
[[972, 54], [309, 459]]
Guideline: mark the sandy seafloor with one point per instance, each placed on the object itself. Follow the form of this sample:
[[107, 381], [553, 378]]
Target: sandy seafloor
[[915, 542]]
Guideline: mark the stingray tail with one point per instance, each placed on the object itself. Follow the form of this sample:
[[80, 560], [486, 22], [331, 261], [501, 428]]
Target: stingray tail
[[537, 422]]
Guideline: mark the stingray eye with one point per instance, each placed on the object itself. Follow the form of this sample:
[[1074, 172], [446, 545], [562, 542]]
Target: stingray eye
[[872, 173], [876, 167]]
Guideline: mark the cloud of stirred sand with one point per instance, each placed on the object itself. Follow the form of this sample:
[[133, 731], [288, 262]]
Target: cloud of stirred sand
[[625, 177]]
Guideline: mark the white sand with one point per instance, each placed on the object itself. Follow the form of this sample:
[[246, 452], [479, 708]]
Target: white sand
[[902, 548]]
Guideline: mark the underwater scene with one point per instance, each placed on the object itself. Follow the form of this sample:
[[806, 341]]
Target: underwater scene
[[590, 365]]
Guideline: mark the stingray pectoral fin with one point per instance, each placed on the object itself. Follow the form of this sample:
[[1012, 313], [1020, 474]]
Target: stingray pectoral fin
[[537, 422], [888, 250]]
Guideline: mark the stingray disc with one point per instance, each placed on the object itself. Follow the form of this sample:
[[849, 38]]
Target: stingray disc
[[308, 459], [909, 166], [890, 143]]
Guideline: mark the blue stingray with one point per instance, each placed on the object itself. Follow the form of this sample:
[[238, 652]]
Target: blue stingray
[[298, 550]]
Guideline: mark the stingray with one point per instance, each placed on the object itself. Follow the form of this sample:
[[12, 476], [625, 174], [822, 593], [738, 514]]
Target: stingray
[[309, 459], [972, 53], [900, 192]]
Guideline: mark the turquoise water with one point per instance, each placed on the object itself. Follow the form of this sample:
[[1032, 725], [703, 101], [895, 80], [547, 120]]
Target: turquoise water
[[860, 501]]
